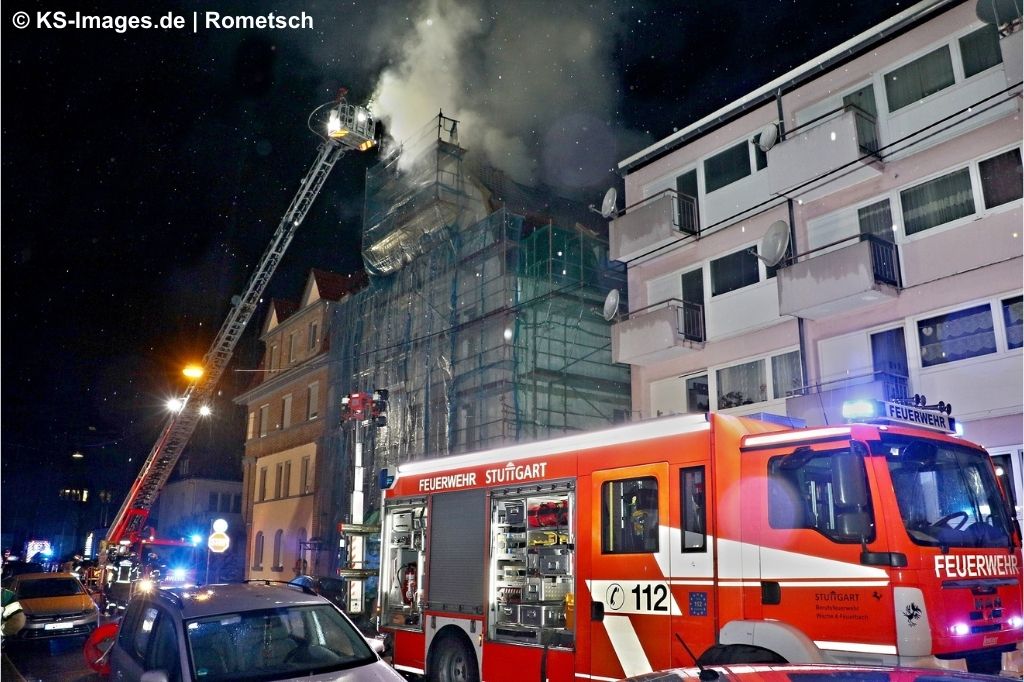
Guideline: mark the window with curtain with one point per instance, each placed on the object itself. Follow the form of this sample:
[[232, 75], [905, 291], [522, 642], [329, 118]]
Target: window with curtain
[[863, 103], [1001, 178], [937, 201], [922, 77], [726, 167], [876, 220], [979, 50], [1012, 313], [278, 479], [278, 542], [787, 377], [956, 336], [286, 411], [741, 385], [313, 400], [263, 483], [697, 394], [734, 271], [264, 419]]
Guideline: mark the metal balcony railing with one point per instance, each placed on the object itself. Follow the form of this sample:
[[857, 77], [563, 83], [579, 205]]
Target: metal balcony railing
[[895, 387], [689, 317], [885, 257]]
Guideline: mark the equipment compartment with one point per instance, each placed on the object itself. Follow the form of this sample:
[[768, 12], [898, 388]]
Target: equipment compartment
[[532, 565]]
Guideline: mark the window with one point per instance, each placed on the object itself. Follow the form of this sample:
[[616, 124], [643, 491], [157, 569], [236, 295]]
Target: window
[[957, 335], [922, 77], [264, 420], [979, 50], [304, 482], [876, 219], [1012, 313], [735, 271], [236, 504], [697, 394], [693, 513], [163, 649], [212, 503], [314, 337], [263, 483], [862, 102], [142, 635], [257, 552], [225, 502], [291, 347], [787, 375], [250, 429], [1001, 178], [689, 207], [286, 486], [823, 491], [286, 411], [312, 400], [278, 542], [741, 385], [278, 480], [726, 167], [273, 357], [629, 516], [938, 201]]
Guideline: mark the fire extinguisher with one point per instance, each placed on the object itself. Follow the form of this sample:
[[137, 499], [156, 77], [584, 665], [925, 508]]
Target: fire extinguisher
[[407, 578]]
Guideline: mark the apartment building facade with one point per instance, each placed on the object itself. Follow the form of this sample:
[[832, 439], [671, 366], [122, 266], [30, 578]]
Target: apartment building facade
[[284, 438], [893, 164]]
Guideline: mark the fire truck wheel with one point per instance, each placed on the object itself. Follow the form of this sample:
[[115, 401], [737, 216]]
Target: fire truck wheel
[[455, 661], [723, 654]]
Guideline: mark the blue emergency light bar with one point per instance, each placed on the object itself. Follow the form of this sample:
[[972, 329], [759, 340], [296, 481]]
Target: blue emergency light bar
[[880, 411]]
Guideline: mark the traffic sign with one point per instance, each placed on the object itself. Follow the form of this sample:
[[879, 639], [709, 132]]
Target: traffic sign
[[218, 542]]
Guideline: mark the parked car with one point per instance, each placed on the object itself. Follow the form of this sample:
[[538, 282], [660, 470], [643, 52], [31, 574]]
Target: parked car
[[55, 605], [256, 630], [13, 568], [334, 589], [784, 672]]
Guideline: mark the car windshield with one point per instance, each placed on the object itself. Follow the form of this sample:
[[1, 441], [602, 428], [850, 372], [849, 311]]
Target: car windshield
[[49, 587], [274, 644], [947, 494]]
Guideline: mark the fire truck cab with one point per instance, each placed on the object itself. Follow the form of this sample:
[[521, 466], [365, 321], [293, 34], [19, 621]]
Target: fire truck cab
[[711, 537]]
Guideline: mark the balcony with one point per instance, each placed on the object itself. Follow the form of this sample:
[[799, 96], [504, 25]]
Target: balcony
[[822, 403], [651, 224], [830, 281], [658, 332], [828, 153]]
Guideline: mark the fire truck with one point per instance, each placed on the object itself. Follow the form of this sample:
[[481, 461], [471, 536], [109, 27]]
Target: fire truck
[[716, 538]]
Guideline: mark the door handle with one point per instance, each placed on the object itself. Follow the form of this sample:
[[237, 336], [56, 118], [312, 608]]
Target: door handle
[[596, 611]]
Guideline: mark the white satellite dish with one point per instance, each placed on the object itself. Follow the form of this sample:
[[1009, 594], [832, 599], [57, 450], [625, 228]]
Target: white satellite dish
[[608, 203], [774, 243], [611, 305], [768, 136]]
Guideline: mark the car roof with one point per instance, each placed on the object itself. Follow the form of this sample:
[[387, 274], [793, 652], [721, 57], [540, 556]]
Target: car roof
[[23, 577], [771, 672], [211, 600]]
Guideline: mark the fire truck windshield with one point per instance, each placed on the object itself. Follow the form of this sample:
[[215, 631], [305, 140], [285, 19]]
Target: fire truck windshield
[[947, 494]]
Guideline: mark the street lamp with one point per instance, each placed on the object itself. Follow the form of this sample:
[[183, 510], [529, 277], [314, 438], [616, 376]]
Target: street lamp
[[193, 372]]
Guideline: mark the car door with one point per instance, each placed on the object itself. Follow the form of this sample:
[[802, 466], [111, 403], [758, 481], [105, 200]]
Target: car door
[[631, 603], [147, 641]]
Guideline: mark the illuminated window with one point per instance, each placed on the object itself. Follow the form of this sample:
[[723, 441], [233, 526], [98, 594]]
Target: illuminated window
[[629, 516]]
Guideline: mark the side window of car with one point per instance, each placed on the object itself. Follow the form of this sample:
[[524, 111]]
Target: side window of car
[[143, 633], [162, 653], [126, 632]]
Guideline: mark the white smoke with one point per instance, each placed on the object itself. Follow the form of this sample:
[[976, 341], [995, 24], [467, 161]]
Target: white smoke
[[532, 84]]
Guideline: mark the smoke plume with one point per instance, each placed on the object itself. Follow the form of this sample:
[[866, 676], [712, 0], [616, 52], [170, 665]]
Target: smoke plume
[[533, 85]]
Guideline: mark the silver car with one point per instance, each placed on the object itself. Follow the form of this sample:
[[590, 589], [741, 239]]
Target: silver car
[[251, 631]]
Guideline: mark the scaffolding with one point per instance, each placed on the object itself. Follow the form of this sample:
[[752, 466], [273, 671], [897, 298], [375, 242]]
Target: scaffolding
[[483, 323]]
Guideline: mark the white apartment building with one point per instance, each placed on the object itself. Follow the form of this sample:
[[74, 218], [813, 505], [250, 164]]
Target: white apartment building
[[894, 163]]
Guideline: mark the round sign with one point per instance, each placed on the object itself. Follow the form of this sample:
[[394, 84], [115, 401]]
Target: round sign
[[220, 525], [218, 542]]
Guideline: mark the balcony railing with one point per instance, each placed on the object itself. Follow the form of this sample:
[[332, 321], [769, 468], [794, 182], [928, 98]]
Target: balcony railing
[[822, 403], [865, 123], [840, 276], [657, 332]]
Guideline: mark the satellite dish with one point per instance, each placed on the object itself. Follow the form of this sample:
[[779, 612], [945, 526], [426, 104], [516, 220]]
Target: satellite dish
[[774, 243], [611, 303], [608, 203], [997, 12], [768, 136]]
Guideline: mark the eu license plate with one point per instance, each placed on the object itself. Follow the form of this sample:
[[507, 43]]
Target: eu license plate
[[58, 626]]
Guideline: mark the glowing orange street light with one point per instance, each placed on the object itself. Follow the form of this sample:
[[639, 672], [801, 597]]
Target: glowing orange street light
[[193, 372]]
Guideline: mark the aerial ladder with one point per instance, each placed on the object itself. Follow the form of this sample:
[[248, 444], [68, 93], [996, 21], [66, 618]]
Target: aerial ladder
[[348, 127]]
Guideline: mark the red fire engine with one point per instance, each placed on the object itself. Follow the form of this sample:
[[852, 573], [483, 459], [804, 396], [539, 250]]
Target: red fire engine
[[605, 555]]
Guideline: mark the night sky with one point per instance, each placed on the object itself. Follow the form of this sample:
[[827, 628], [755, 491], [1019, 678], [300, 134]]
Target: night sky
[[144, 173]]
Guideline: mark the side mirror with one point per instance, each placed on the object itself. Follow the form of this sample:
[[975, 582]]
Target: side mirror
[[850, 486]]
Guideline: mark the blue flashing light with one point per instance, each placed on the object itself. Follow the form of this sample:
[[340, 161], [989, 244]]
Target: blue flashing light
[[958, 428], [196, 539], [860, 409], [179, 574], [47, 552]]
